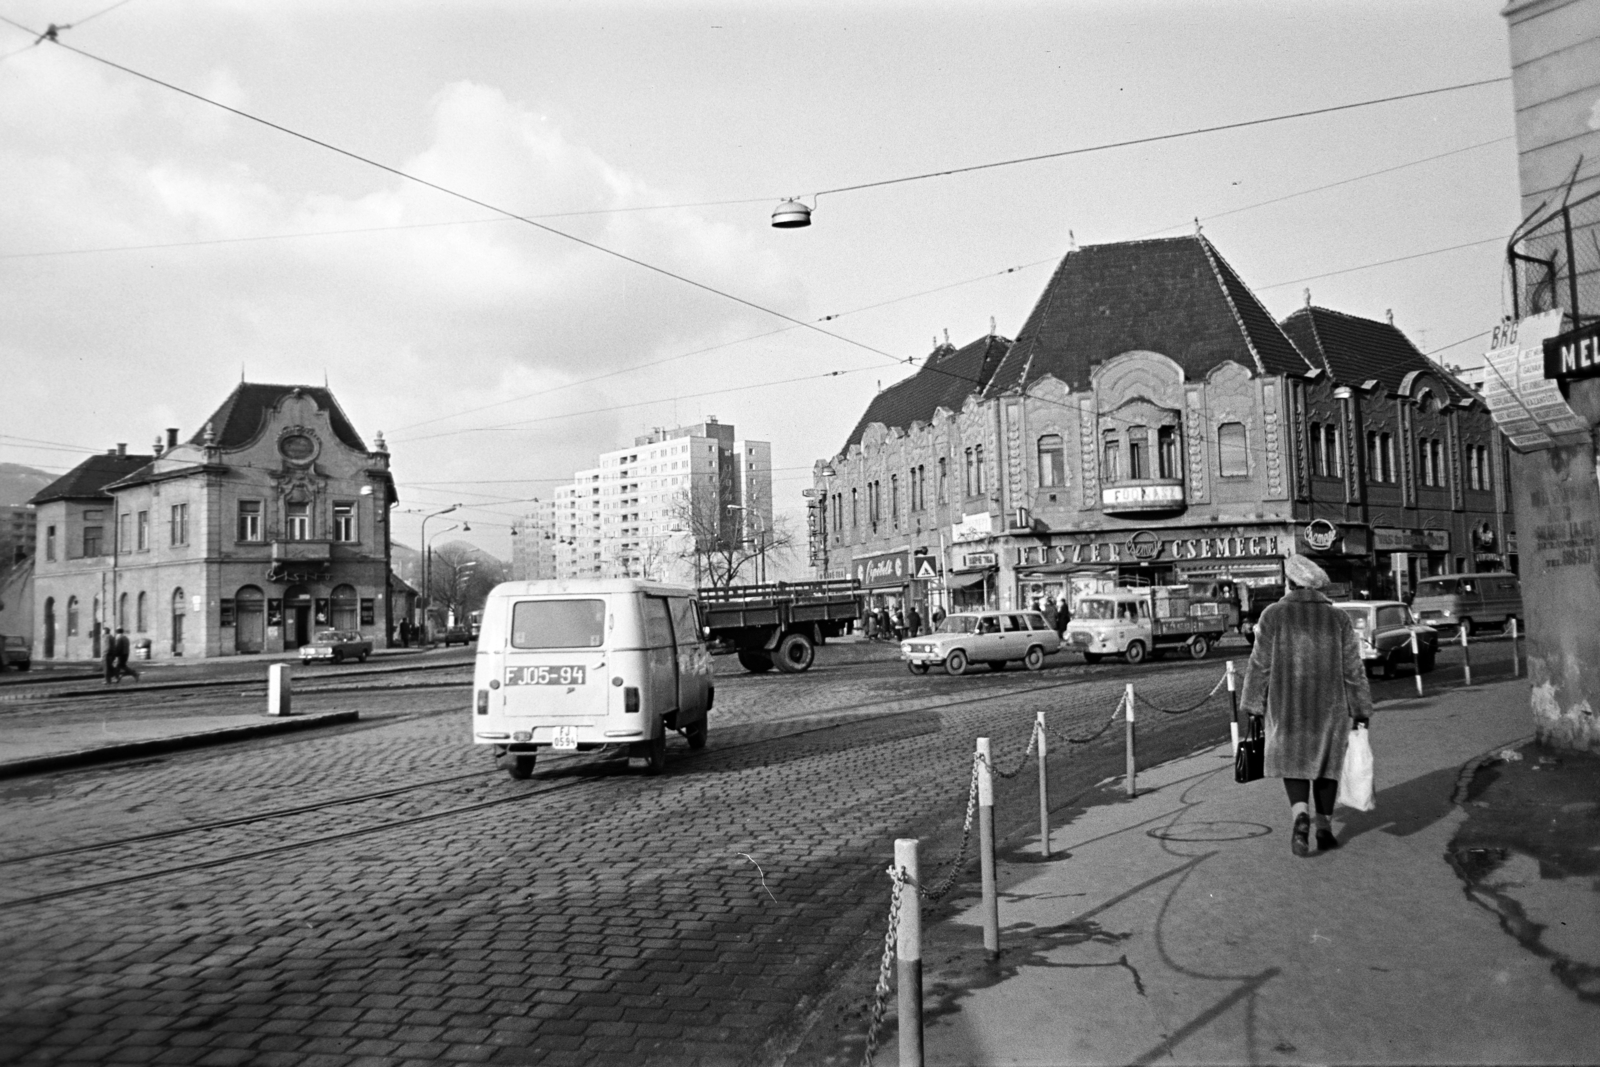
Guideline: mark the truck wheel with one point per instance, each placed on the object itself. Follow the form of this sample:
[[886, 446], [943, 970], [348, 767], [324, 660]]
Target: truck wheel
[[521, 767], [695, 734], [794, 654], [956, 662], [1034, 660], [755, 662], [1091, 657], [1199, 646], [1135, 652]]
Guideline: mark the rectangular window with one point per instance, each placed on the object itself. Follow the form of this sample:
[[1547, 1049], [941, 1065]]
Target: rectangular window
[[93, 532], [297, 522], [143, 534], [1386, 441], [1318, 463], [1052, 461], [977, 458], [344, 522], [50, 543], [1233, 450], [1138, 453], [1167, 452], [249, 520], [894, 499], [968, 484], [1374, 459], [855, 508], [124, 535], [1111, 458], [1436, 449], [178, 522], [1332, 464], [944, 480]]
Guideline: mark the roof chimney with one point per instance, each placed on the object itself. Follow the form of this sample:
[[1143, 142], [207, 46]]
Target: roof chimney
[[1389, 314], [122, 448], [172, 438]]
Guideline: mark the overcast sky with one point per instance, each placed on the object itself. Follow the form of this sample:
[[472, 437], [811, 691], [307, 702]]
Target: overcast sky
[[153, 247]]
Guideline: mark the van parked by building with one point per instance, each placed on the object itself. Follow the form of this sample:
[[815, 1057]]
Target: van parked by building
[[576, 665], [1468, 601]]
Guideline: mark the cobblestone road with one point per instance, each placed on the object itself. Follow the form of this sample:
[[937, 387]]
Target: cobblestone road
[[589, 915]]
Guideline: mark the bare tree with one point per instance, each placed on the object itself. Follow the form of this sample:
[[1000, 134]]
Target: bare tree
[[724, 545], [460, 577]]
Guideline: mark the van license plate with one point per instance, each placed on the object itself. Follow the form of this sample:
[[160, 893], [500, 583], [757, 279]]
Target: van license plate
[[575, 675], [565, 737]]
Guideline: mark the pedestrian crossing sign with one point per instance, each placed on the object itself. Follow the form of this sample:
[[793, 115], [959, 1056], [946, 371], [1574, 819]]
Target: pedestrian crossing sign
[[927, 569]]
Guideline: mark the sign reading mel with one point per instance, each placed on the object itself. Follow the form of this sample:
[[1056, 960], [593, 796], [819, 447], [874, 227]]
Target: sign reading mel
[[1574, 355]]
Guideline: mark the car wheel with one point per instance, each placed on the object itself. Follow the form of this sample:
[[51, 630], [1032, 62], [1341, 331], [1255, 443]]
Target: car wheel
[[755, 662], [361, 658], [521, 767], [1426, 661], [1034, 660], [1135, 652], [1467, 625], [917, 668], [1091, 657], [794, 654], [1199, 646], [338, 657], [956, 663], [695, 734]]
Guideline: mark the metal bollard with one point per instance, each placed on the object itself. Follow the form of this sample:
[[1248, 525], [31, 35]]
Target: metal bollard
[[908, 953], [1132, 775], [1516, 665], [1466, 655], [1233, 695], [278, 689], [1044, 789], [1416, 661], [991, 896]]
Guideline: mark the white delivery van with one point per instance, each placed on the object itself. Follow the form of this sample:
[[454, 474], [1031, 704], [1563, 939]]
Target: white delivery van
[[583, 664]]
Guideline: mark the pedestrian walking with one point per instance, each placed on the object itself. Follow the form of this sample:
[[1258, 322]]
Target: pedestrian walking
[[1049, 611], [1307, 679], [914, 621], [869, 624], [938, 616], [885, 624], [1063, 614], [405, 633], [899, 623], [122, 649], [110, 659]]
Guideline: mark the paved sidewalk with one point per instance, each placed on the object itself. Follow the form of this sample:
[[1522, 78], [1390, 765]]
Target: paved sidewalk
[[1181, 929]]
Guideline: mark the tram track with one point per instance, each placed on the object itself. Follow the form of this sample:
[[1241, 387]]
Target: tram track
[[837, 717]]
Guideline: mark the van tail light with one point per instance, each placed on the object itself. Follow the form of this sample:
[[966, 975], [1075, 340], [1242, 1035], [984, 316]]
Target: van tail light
[[630, 700], [483, 702]]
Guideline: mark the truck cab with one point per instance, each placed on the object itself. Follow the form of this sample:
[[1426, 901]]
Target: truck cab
[[1136, 623]]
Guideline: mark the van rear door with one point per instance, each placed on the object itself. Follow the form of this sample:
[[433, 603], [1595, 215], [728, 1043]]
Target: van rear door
[[661, 655], [694, 664], [555, 662]]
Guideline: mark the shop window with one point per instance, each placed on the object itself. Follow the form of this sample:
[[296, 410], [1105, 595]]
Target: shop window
[[1232, 450], [344, 606], [1052, 461], [1167, 452]]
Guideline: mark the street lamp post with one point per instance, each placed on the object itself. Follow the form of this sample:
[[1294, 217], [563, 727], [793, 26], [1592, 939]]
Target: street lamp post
[[427, 631]]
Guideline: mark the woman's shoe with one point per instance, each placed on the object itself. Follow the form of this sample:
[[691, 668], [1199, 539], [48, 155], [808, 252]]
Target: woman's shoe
[[1300, 839], [1326, 842]]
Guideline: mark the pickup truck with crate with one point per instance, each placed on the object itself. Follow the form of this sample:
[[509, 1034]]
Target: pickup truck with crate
[[1136, 623], [778, 624]]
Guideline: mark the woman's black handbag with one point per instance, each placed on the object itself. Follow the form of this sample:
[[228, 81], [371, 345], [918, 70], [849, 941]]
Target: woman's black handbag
[[1247, 762]]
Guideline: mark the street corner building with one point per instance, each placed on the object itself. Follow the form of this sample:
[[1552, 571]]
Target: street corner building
[[1153, 424], [268, 524]]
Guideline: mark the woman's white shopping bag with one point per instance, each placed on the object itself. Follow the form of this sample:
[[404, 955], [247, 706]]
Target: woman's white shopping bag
[[1355, 778]]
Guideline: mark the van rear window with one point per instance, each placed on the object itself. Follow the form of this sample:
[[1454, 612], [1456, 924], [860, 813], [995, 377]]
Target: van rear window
[[558, 624]]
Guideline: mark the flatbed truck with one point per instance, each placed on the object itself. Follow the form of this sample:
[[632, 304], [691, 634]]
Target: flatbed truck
[[778, 624]]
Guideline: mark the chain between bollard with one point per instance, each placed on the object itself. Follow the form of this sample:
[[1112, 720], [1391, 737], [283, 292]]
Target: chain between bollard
[[1116, 717], [1141, 698], [880, 995], [1033, 743], [943, 886]]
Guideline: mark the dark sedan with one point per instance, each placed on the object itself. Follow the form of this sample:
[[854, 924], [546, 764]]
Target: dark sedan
[[1385, 628]]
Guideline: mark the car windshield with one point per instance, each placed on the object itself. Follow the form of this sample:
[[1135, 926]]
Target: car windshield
[[1437, 587], [558, 624], [958, 624], [330, 636], [1090, 608], [1360, 618]]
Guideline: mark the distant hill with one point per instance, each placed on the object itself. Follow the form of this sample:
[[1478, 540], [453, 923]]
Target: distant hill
[[19, 483]]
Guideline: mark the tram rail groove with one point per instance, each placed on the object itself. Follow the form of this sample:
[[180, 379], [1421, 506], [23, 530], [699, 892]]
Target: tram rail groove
[[924, 705]]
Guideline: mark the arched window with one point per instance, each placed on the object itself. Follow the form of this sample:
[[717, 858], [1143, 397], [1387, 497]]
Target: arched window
[[72, 616], [122, 611], [49, 627], [344, 608], [1052, 461], [1232, 450], [142, 614], [179, 609]]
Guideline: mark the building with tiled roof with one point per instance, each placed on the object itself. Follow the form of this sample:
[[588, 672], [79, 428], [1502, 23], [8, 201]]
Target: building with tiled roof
[[1152, 424], [270, 523]]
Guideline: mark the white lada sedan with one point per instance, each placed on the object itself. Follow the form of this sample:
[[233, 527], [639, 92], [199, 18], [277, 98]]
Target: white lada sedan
[[992, 637]]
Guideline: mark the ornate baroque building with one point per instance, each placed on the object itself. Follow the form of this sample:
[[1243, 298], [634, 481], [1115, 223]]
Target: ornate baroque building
[[1152, 424], [269, 524]]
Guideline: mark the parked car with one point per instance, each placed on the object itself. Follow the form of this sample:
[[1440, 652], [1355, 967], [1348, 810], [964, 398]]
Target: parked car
[[1468, 601], [1384, 628], [336, 646], [14, 652], [457, 635], [992, 637]]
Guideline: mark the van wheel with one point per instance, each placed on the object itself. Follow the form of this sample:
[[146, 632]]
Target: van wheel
[[655, 753], [755, 662], [1135, 652], [1034, 660], [1198, 647], [794, 654], [695, 734], [521, 767], [956, 662]]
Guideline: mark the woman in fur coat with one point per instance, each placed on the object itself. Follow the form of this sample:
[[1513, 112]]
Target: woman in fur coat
[[1307, 678]]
